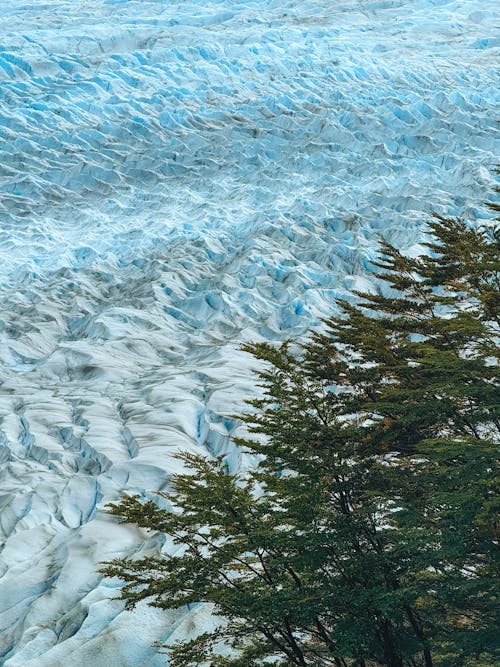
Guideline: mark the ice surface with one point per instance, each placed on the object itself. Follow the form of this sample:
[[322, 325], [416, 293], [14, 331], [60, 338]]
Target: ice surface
[[177, 178]]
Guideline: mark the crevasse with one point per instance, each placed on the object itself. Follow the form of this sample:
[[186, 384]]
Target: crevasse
[[175, 179]]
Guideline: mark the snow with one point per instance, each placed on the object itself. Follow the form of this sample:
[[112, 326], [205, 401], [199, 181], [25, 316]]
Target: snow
[[176, 179]]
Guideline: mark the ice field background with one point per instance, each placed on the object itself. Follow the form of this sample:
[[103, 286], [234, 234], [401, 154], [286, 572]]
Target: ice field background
[[177, 178]]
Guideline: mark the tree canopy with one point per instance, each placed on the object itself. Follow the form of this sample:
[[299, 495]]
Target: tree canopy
[[368, 534]]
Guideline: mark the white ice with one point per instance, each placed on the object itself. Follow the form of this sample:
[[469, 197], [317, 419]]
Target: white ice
[[175, 179]]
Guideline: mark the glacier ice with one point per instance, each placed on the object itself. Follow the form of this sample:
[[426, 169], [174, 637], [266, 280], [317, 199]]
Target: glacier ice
[[177, 178]]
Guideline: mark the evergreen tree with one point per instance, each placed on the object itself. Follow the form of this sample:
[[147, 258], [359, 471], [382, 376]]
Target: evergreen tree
[[368, 534]]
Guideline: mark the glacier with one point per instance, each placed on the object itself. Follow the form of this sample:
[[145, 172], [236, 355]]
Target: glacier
[[176, 179]]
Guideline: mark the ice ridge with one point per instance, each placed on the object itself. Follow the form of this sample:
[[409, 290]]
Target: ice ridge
[[175, 179]]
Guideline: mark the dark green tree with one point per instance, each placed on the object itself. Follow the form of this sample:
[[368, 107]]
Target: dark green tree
[[368, 533]]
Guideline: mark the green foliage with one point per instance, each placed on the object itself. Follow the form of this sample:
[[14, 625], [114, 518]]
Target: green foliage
[[368, 534]]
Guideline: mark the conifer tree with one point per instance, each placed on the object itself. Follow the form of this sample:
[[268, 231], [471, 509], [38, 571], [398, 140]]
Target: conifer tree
[[368, 534]]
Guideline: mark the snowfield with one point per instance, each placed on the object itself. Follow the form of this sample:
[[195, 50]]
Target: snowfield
[[177, 178]]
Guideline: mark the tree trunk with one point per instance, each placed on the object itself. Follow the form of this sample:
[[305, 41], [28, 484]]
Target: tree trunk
[[417, 628], [392, 658]]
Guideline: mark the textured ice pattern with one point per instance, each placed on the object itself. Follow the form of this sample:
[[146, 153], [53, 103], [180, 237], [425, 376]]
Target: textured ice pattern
[[177, 178]]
